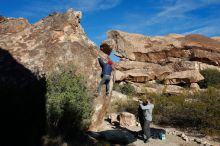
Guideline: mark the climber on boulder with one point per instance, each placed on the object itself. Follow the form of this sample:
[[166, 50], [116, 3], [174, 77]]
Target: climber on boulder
[[105, 75]]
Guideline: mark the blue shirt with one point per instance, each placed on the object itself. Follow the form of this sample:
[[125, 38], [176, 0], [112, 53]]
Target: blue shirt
[[106, 68]]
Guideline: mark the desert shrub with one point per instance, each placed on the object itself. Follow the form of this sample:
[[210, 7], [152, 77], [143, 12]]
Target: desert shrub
[[117, 87], [68, 105], [126, 89], [212, 78], [200, 110]]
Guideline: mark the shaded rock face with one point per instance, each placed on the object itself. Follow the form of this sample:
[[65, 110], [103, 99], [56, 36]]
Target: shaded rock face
[[55, 41], [22, 107], [173, 59]]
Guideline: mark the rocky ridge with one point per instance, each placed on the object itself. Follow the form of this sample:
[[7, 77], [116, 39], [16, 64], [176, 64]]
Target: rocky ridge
[[162, 63]]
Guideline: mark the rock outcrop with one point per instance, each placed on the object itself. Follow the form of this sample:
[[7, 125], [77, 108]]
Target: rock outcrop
[[188, 76], [161, 49], [172, 59], [55, 41], [124, 119], [216, 38], [127, 119], [11, 25]]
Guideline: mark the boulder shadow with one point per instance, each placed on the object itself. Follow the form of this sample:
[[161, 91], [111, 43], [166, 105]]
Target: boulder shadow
[[116, 136], [155, 133], [22, 106]]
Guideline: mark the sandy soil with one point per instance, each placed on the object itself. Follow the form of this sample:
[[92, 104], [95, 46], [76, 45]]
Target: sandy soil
[[171, 140]]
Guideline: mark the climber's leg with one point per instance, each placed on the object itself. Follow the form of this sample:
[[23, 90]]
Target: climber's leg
[[107, 81], [98, 92]]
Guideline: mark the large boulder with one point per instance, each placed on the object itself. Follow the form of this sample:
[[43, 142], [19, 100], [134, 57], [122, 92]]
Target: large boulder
[[139, 75], [203, 49], [173, 89], [184, 65], [117, 96], [146, 49], [113, 118], [120, 76], [159, 49], [195, 86], [172, 59], [55, 41], [127, 119], [158, 88], [140, 71], [186, 77]]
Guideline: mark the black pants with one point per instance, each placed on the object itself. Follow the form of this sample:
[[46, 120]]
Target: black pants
[[146, 129]]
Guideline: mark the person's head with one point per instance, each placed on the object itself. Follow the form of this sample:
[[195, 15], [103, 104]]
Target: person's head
[[148, 100]]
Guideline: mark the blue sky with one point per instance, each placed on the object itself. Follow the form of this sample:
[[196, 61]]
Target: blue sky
[[148, 17]]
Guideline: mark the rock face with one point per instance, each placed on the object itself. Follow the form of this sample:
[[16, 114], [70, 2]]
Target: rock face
[[216, 38], [161, 49], [118, 96], [11, 25], [140, 71], [57, 40], [172, 59], [189, 76], [124, 119]]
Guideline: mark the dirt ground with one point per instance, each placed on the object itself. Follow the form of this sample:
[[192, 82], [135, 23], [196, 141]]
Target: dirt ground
[[171, 140]]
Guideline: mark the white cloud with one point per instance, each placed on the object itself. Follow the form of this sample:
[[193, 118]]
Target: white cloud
[[93, 5], [108, 4], [180, 7], [175, 16], [42, 7], [207, 30]]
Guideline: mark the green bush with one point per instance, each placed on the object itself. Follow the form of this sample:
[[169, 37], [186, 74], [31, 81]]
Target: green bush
[[126, 89], [212, 78], [124, 106], [200, 110], [68, 105], [117, 87]]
